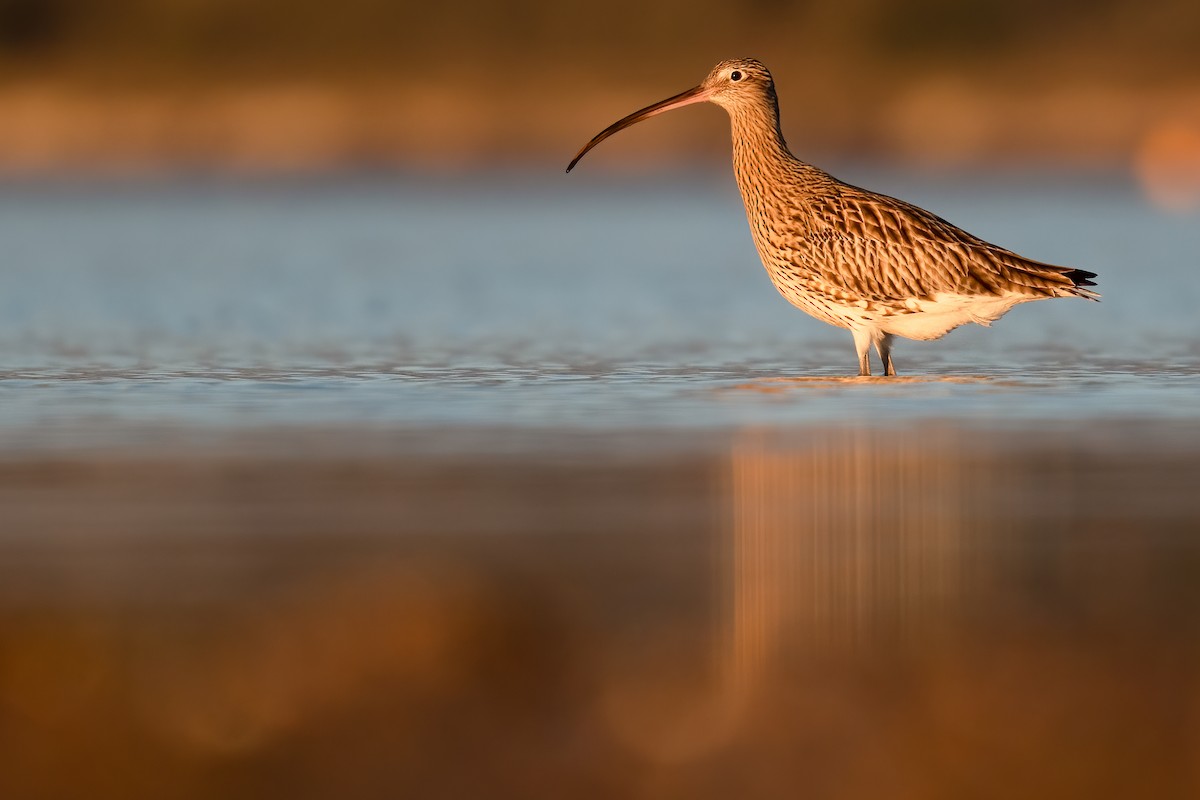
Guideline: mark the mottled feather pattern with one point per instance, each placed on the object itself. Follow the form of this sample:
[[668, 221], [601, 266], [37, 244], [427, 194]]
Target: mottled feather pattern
[[872, 247]]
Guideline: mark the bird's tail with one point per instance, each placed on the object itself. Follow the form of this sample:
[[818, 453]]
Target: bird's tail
[[1080, 280]]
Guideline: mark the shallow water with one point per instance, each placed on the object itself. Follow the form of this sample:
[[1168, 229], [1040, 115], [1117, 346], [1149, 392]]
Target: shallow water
[[559, 301], [534, 488]]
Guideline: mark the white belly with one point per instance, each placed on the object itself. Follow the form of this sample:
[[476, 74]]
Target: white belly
[[937, 317], [912, 319]]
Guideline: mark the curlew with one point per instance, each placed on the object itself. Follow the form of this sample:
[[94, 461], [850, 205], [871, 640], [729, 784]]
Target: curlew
[[870, 263]]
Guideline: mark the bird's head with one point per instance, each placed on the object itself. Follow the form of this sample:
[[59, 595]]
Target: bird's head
[[736, 82]]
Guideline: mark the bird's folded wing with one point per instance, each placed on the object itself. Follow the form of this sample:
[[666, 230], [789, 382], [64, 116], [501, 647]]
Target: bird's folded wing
[[878, 249]]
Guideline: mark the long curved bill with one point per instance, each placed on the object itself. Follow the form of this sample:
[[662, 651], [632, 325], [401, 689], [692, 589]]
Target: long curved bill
[[697, 94]]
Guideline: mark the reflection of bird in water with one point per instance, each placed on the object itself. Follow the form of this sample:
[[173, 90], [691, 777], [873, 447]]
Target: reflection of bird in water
[[850, 257]]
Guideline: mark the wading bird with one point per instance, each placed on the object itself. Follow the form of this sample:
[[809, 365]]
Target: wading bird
[[876, 265]]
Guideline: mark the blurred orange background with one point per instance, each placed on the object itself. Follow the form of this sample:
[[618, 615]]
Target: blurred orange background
[[299, 85]]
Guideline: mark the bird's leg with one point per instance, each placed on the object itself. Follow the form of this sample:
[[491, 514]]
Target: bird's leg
[[883, 346], [862, 343]]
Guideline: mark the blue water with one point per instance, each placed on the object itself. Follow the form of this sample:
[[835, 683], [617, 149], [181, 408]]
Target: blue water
[[585, 301]]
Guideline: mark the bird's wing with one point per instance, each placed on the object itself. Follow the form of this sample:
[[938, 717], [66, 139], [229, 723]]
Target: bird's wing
[[879, 249]]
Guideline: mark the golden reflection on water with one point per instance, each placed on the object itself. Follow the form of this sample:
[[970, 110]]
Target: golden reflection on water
[[785, 386], [836, 544], [838, 538]]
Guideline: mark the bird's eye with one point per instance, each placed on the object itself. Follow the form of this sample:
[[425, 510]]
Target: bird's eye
[[735, 76]]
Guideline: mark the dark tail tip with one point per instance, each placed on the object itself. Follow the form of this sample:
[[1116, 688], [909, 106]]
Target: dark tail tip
[[1081, 277], [1080, 280]]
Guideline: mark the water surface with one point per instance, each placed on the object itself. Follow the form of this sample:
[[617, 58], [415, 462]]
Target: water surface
[[531, 488], [581, 301]]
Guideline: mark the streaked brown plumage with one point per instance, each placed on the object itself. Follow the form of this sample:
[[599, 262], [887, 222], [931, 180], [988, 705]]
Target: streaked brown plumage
[[876, 265]]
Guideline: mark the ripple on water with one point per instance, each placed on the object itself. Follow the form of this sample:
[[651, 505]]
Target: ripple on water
[[356, 305]]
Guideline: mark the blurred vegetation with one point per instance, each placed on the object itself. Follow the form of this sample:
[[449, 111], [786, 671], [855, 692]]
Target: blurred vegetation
[[478, 81], [194, 36]]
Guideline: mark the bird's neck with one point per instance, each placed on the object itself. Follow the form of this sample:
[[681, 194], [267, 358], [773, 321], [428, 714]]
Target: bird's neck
[[762, 164], [758, 143], [768, 176]]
